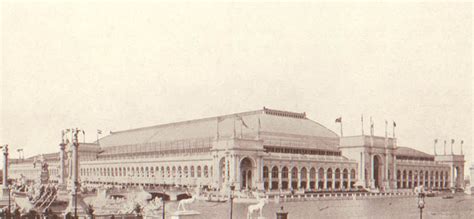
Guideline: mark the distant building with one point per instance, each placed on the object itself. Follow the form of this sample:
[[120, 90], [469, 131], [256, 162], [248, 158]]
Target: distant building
[[265, 149]]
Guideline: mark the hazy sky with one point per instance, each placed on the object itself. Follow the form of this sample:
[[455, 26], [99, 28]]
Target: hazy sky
[[124, 65]]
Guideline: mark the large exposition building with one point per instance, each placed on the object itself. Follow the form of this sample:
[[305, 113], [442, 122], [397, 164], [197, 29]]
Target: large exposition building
[[265, 149]]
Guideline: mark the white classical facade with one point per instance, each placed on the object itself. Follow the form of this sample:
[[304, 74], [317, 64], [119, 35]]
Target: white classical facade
[[270, 150]]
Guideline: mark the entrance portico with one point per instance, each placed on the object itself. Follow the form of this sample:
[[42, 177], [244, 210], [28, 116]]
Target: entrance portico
[[240, 163]]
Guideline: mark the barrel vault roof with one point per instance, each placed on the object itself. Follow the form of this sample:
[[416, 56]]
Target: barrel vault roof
[[245, 124]]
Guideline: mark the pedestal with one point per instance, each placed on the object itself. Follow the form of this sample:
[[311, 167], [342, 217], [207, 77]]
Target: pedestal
[[185, 214]]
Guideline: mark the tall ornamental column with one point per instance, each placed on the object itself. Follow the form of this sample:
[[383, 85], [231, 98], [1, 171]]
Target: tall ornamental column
[[73, 203], [5, 190], [75, 162], [62, 148]]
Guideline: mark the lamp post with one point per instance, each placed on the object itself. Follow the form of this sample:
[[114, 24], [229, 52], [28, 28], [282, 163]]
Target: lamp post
[[75, 199], [231, 199], [5, 187], [163, 208], [421, 203]]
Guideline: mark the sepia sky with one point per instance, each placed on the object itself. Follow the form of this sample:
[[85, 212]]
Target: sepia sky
[[115, 66]]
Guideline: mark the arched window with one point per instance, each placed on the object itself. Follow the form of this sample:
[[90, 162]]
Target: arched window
[[312, 173], [185, 171], [199, 171], [294, 173], [275, 172], [192, 171], [284, 173], [329, 174], [206, 172]]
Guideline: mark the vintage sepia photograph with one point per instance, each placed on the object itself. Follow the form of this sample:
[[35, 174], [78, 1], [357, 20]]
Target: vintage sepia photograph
[[236, 109]]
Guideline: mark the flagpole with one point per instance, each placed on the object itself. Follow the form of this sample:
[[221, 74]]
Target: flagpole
[[341, 129], [258, 130], [394, 125], [371, 127], [362, 123], [217, 131]]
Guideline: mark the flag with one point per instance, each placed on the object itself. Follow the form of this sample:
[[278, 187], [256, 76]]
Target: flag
[[436, 141], [462, 142], [452, 141], [99, 131], [394, 124], [259, 124], [339, 120], [83, 132]]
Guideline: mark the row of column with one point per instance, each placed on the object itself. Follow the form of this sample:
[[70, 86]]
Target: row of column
[[317, 180], [407, 182]]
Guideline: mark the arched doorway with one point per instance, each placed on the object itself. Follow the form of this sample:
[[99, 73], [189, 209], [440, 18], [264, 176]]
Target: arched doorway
[[246, 173], [222, 171], [377, 171]]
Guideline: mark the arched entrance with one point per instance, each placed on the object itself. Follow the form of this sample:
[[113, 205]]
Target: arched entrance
[[222, 171], [377, 172], [246, 175]]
